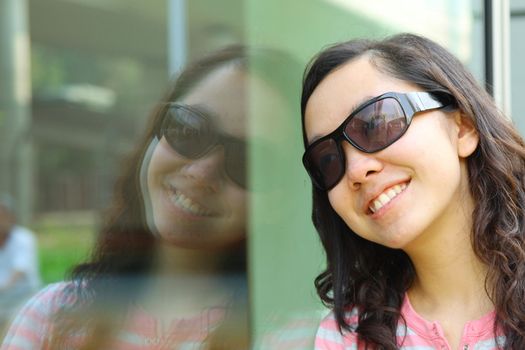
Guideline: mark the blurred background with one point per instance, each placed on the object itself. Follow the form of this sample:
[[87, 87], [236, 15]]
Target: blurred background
[[78, 79]]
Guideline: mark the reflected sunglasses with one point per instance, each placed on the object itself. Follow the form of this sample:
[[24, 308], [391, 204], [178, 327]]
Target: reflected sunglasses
[[191, 133], [373, 126]]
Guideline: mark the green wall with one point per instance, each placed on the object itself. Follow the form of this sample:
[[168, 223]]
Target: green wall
[[285, 253]]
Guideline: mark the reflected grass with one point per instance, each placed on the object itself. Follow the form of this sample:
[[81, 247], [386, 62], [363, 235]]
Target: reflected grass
[[62, 245]]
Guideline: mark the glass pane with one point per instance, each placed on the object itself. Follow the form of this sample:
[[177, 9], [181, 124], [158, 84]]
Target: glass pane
[[207, 242], [149, 227]]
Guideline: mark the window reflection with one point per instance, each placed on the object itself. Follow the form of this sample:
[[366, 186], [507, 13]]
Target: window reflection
[[169, 265]]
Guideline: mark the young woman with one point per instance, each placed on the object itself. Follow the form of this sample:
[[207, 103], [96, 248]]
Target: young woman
[[418, 198], [169, 268]]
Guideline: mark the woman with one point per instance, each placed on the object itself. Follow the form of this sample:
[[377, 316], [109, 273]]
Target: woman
[[168, 270], [418, 199]]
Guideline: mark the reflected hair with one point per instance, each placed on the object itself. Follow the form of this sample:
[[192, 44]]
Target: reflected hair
[[374, 278]]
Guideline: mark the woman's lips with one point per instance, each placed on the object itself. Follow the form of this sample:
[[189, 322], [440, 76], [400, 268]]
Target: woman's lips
[[186, 203], [386, 196]]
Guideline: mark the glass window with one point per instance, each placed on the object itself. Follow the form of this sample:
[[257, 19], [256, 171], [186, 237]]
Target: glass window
[[158, 145]]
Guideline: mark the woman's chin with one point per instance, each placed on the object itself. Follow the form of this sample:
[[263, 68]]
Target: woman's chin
[[205, 240]]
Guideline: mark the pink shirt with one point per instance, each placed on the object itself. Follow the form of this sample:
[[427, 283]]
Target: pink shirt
[[33, 326], [420, 334]]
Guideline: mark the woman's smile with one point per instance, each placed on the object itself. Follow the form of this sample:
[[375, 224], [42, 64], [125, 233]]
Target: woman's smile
[[189, 201], [376, 205]]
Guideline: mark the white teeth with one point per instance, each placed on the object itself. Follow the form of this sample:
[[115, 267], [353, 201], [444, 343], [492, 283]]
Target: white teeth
[[187, 204], [386, 197], [391, 193]]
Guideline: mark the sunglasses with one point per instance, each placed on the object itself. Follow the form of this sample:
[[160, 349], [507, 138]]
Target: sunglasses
[[373, 126], [191, 133]]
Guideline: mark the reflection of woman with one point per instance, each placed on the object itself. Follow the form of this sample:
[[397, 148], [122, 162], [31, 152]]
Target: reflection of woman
[[423, 229], [170, 259], [195, 176]]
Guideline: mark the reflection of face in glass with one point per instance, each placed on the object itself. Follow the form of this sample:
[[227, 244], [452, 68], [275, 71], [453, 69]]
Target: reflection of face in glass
[[191, 132], [194, 200]]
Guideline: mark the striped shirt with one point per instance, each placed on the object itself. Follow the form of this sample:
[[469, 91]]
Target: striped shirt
[[419, 334], [32, 327]]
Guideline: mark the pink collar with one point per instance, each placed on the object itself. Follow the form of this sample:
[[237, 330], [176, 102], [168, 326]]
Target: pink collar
[[432, 329]]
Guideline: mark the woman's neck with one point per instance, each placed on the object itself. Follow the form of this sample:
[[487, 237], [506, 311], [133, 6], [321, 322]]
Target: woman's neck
[[449, 286], [449, 278], [449, 275], [185, 280], [177, 261]]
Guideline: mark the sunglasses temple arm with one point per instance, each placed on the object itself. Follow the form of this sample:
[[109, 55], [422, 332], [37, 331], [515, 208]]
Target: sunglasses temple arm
[[422, 101]]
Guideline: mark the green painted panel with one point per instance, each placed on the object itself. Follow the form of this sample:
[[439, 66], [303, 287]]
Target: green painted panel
[[285, 253]]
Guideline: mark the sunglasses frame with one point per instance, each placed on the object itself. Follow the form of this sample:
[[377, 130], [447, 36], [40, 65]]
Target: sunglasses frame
[[217, 139], [410, 103]]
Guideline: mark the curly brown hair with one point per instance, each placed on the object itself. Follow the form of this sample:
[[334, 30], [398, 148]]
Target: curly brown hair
[[496, 181]]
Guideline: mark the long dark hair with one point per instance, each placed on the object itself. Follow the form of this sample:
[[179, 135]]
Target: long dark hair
[[374, 278]]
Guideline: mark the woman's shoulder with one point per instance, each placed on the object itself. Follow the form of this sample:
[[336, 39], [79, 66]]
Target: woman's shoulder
[[54, 296], [34, 319], [331, 336]]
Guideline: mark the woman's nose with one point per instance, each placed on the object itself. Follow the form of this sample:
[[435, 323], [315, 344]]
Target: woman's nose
[[208, 169], [360, 166]]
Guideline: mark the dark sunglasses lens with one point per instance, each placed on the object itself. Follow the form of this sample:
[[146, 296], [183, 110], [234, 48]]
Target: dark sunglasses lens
[[187, 132], [324, 164], [235, 162], [377, 125]]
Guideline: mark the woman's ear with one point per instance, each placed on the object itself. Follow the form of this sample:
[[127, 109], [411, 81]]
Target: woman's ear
[[468, 137]]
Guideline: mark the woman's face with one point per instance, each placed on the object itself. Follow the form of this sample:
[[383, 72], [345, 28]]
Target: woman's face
[[194, 203], [417, 186]]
